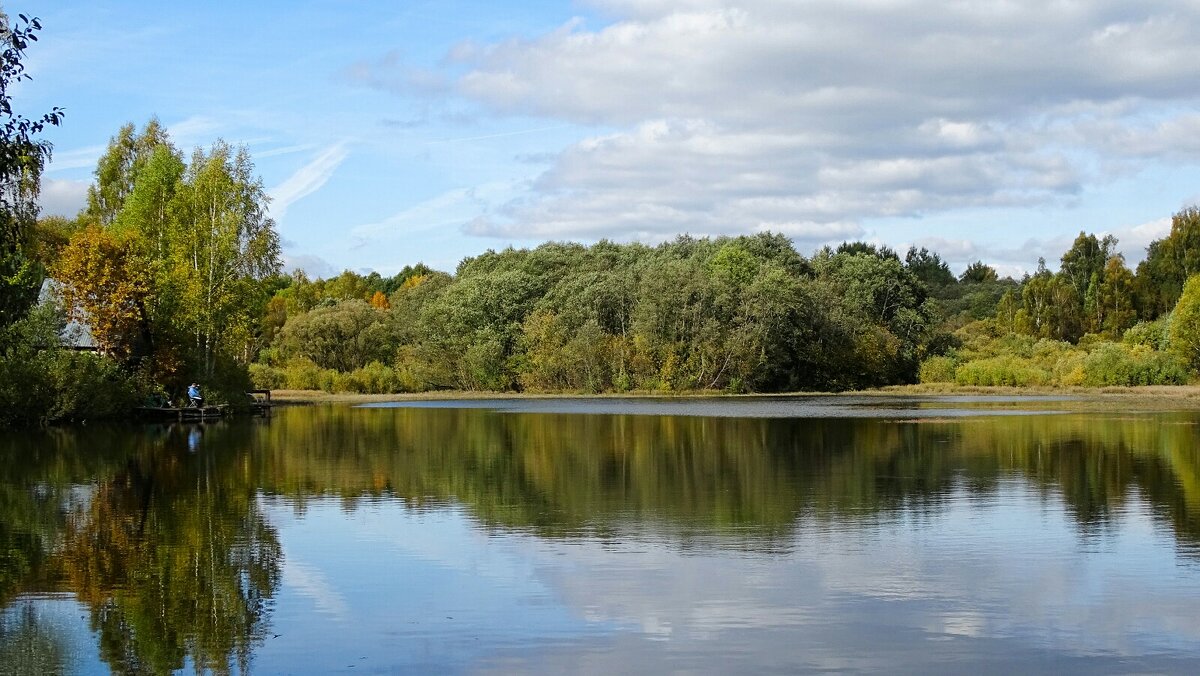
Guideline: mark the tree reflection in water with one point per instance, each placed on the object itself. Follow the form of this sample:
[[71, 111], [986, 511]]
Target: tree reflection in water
[[172, 556], [166, 549]]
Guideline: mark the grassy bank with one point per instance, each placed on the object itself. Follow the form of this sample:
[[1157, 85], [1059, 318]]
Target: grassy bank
[[1177, 396]]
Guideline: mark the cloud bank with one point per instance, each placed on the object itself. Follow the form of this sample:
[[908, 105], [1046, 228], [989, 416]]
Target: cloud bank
[[812, 117]]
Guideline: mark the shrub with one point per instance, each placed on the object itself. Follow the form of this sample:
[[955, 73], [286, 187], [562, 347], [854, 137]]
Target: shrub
[[376, 378], [87, 387], [1151, 334], [938, 370], [265, 377], [329, 381], [1005, 370], [1113, 364], [302, 374]]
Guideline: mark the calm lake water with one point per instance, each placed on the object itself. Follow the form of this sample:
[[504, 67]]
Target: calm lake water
[[608, 536]]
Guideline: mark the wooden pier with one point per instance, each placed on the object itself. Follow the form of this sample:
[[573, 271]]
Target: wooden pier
[[182, 413]]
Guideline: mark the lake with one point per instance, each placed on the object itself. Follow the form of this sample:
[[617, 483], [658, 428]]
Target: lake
[[609, 536]]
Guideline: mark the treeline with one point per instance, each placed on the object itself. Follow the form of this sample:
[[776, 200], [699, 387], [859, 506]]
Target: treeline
[[737, 314], [1092, 323]]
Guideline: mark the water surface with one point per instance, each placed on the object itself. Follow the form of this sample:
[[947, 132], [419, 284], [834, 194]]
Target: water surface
[[609, 536]]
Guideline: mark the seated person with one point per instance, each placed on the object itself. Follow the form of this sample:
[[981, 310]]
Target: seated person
[[194, 397]]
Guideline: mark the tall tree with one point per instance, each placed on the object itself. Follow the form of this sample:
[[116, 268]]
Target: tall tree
[[1184, 338], [118, 169], [223, 244], [929, 267], [22, 157], [1085, 260], [1115, 298], [1169, 263]]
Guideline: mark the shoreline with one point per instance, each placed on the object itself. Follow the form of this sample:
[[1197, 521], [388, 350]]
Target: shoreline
[[1186, 396]]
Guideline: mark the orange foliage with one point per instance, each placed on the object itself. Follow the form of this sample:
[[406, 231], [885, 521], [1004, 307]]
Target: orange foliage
[[380, 301], [107, 286]]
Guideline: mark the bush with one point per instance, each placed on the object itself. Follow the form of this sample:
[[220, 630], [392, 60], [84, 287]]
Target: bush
[[87, 387], [1005, 370], [301, 374], [938, 370], [329, 380], [1151, 334], [376, 378], [265, 377], [1113, 364], [42, 383]]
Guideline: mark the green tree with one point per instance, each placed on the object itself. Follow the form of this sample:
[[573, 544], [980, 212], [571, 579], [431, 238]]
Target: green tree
[[223, 245], [118, 170], [1169, 263], [978, 273], [22, 157], [1116, 297], [1184, 337], [1085, 261], [929, 268], [345, 336]]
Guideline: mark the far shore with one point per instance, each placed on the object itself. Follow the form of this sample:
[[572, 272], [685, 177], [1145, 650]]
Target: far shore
[[1176, 396]]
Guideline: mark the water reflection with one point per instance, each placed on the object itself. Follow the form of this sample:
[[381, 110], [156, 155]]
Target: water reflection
[[167, 549], [1007, 540], [733, 478]]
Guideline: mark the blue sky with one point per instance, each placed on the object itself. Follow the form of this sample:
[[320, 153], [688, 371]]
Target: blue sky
[[391, 133]]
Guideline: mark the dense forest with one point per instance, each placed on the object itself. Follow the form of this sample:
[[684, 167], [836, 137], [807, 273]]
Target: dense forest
[[174, 268], [739, 314]]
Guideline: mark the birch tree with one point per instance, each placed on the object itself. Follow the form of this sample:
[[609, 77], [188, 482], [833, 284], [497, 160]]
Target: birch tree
[[222, 245]]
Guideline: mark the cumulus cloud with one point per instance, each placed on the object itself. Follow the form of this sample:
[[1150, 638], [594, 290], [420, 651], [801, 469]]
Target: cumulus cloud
[[62, 197], [735, 116], [311, 265], [1134, 240]]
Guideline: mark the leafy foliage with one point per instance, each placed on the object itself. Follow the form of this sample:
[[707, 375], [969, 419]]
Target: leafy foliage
[[22, 157]]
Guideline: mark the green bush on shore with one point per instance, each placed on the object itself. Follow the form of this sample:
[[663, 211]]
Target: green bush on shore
[[301, 374], [1005, 370], [1024, 361], [42, 383], [938, 369]]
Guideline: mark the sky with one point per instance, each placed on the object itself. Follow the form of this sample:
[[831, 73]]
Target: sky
[[389, 133]]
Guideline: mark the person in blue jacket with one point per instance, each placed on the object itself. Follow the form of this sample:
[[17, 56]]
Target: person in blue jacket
[[194, 397]]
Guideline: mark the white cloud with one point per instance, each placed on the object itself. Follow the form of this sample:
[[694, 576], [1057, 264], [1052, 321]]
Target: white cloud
[[732, 115], [62, 198], [312, 265], [307, 179], [284, 150], [79, 158], [197, 130], [309, 581], [1133, 240], [445, 210]]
